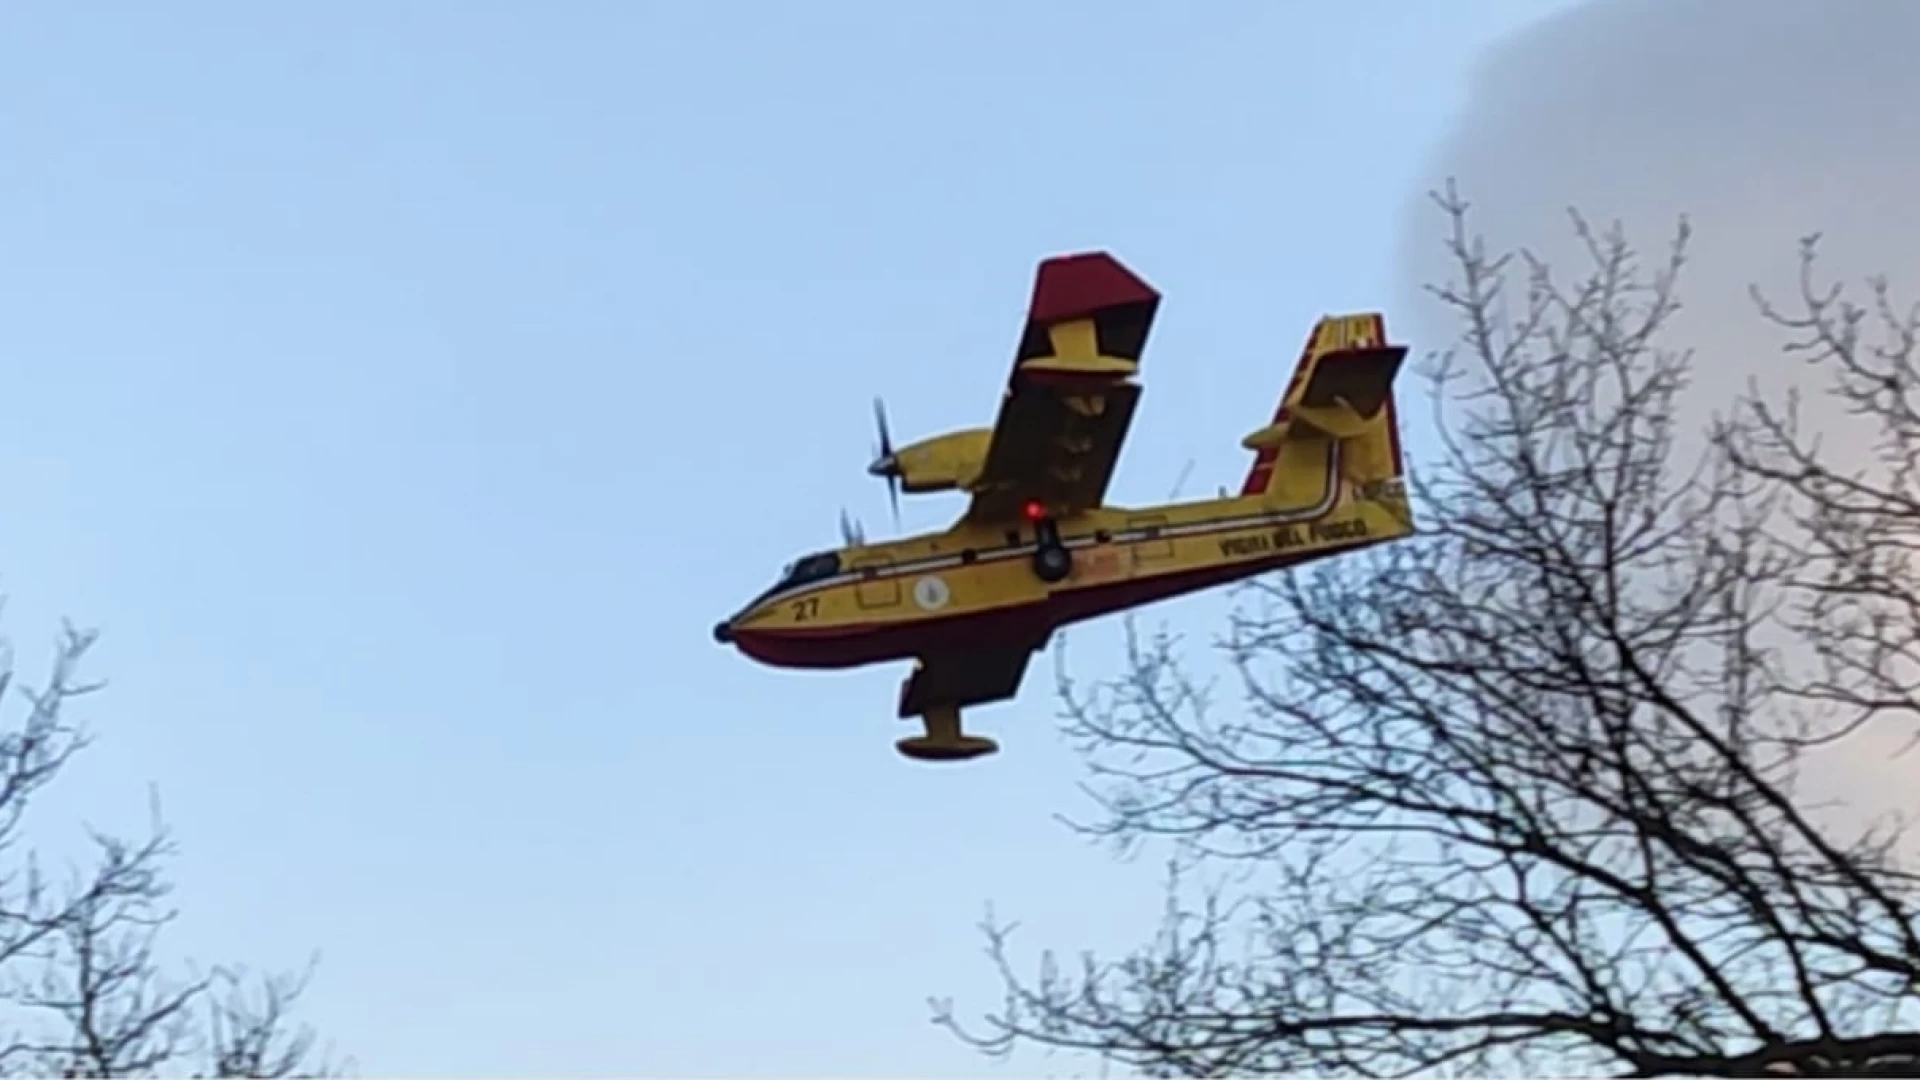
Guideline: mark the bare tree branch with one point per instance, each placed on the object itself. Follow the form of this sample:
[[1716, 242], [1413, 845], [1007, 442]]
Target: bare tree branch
[[83, 991]]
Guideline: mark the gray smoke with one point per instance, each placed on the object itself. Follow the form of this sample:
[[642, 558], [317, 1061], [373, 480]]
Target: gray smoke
[[1762, 121]]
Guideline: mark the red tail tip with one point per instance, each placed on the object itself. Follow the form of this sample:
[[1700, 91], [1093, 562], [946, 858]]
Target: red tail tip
[[1076, 286]]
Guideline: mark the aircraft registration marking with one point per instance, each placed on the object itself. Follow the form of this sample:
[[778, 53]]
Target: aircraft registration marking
[[1288, 537]]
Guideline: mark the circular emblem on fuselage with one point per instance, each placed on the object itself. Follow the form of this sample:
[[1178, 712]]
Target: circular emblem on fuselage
[[931, 593]]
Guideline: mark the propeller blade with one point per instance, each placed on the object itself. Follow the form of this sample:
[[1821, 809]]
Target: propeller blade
[[849, 534], [880, 424], [883, 464]]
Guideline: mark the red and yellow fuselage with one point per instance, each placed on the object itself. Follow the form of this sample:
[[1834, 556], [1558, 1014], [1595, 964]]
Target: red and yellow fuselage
[[973, 585]]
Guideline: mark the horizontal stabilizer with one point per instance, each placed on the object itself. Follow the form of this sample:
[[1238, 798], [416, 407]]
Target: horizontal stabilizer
[[1345, 391], [1358, 379], [1340, 390]]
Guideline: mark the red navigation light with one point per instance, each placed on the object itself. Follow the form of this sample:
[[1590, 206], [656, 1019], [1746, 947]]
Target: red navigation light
[[1035, 510]]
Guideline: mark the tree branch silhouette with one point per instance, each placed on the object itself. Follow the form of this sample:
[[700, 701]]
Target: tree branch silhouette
[[1523, 793], [83, 990]]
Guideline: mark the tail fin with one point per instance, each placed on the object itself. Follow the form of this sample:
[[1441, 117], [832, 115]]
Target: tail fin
[[1342, 392]]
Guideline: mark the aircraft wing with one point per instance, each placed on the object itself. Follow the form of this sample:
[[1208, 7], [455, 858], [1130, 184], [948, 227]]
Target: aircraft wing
[[1071, 395], [964, 677]]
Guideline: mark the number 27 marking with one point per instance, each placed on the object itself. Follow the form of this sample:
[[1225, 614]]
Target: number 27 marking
[[806, 609]]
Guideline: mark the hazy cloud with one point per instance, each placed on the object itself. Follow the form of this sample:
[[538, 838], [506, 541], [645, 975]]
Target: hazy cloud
[[1761, 120]]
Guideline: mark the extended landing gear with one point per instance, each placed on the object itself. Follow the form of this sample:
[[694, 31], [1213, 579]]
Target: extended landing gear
[[1052, 562], [944, 740]]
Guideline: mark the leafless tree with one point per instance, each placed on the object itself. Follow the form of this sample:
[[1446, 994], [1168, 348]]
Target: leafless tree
[[1855, 523], [83, 990], [1523, 794]]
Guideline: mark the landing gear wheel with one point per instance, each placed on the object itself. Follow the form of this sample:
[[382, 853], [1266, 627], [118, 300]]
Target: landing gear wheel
[[944, 741], [1052, 563], [958, 748]]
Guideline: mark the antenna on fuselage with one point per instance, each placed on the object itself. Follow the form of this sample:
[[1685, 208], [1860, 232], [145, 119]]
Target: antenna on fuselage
[[1185, 471], [851, 534]]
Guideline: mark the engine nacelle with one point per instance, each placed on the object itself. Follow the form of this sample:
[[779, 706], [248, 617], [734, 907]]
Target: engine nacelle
[[942, 463]]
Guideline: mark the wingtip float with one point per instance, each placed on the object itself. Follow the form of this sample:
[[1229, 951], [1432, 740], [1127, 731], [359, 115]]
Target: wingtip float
[[1039, 547]]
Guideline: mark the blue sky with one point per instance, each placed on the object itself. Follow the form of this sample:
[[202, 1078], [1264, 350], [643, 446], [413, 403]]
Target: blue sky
[[406, 387]]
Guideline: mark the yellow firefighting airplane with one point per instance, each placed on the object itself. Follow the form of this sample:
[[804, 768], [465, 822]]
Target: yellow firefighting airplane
[[1038, 548]]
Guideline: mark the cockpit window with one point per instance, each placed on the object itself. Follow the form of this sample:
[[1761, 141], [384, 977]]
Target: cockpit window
[[813, 567], [805, 569]]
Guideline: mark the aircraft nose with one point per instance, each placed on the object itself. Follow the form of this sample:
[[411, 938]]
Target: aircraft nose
[[723, 632], [883, 466]]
